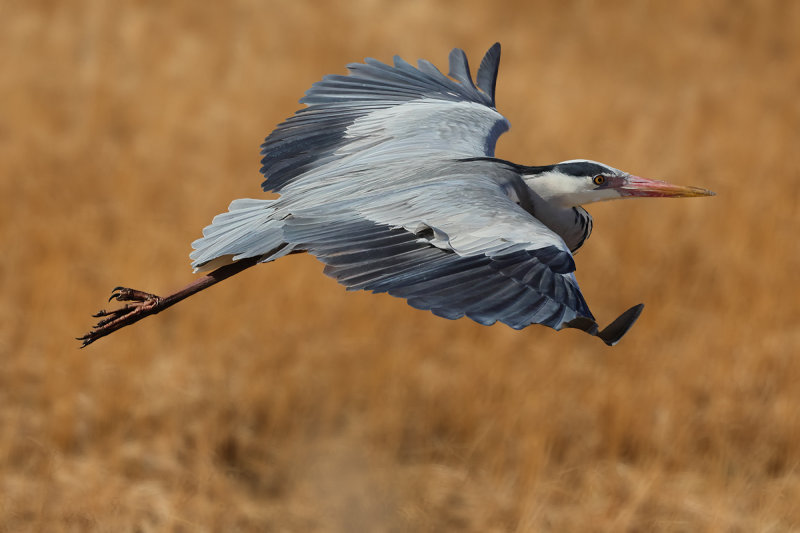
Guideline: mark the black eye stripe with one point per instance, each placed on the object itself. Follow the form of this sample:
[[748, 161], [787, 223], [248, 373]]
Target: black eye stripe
[[581, 168]]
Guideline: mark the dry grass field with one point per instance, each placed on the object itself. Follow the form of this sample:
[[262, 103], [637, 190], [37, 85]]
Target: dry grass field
[[277, 401]]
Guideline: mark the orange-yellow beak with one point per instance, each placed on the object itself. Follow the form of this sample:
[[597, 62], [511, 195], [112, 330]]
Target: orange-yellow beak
[[643, 187]]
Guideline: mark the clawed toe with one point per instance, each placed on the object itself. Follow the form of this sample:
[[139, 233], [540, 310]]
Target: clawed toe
[[142, 304], [125, 294], [109, 319]]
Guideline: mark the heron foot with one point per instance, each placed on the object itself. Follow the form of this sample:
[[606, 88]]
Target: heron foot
[[142, 304]]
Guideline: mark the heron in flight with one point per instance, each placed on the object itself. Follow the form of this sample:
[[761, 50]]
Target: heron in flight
[[388, 177]]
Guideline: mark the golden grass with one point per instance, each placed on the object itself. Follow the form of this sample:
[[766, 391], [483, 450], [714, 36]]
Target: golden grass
[[279, 402]]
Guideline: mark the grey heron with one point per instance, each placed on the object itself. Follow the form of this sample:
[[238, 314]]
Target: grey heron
[[388, 177]]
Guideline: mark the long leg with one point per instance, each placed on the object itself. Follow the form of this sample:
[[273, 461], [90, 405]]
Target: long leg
[[145, 304]]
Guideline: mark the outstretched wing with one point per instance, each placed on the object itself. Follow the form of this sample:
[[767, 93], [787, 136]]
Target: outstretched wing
[[455, 244], [375, 103]]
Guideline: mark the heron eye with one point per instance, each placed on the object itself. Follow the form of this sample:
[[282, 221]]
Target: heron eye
[[599, 180]]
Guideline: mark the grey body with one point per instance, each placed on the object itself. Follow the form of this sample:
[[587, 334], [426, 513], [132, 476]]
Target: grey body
[[389, 178]]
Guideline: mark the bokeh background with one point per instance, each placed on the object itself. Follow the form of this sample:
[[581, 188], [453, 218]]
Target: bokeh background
[[277, 401]]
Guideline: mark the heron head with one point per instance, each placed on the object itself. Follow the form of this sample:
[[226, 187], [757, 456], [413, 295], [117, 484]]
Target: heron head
[[580, 181]]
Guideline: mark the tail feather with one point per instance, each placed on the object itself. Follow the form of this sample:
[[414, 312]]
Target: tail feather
[[247, 229]]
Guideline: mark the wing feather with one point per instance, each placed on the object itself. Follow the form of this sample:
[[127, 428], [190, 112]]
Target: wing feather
[[459, 68], [487, 71], [326, 132], [506, 287]]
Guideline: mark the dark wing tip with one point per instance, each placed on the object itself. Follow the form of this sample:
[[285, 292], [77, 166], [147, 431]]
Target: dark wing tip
[[487, 71], [619, 327], [614, 331], [584, 324], [459, 67]]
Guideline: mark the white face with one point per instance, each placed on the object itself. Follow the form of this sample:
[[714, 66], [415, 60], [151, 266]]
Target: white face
[[562, 187]]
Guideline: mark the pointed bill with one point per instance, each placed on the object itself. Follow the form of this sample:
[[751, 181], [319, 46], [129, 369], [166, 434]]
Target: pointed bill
[[643, 187]]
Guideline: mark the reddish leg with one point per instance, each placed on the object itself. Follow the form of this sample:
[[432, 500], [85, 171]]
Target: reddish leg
[[145, 304]]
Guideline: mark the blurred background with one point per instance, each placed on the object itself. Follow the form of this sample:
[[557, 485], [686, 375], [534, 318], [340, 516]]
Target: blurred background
[[277, 401]]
